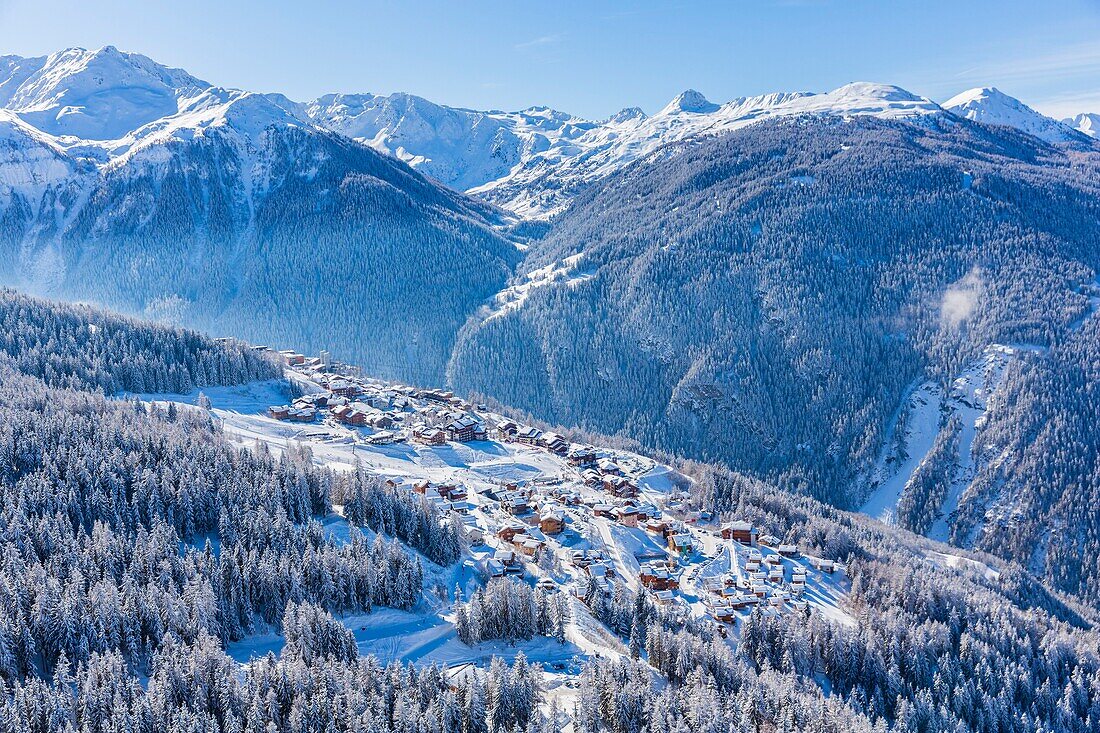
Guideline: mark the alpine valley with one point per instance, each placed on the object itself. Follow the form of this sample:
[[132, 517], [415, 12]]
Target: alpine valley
[[777, 414]]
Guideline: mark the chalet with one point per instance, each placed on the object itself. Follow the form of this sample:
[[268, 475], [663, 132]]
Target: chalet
[[788, 550], [528, 435], [598, 570], [279, 412], [507, 430], [775, 575], [620, 486], [723, 613], [657, 578], [451, 492], [438, 396], [581, 455], [604, 510], [343, 387], [743, 601], [608, 466], [474, 533], [566, 495], [554, 443], [627, 516], [463, 428], [591, 477], [515, 503], [663, 597], [380, 420], [583, 558], [769, 540], [680, 542], [303, 414], [382, 437], [528, 546], [349, 415], [508, 532], [822, 564], [551, 523], [429, 436], [546, 585], [509, 560], [317, 399], [656, 526], [739, 531]]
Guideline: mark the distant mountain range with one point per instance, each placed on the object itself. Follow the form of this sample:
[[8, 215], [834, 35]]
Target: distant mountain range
[[107, 106]]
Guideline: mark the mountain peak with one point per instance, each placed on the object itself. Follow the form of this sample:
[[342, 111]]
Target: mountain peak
[[626, 114], [1087, 123], [689, 101], [991, 106]]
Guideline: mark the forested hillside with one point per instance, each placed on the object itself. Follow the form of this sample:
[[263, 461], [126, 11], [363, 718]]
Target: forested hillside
[[282, 232], [764, 299], [87, 349], [138, 541]]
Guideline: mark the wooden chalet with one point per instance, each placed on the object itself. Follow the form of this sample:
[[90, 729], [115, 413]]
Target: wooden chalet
[[528, 435], [680, 542], [343, 387], [508, 532], [740, 531], [620, 486], [581, 456], [657, 578], [464, 428], [551, 523], [506, 430], [429, 436]]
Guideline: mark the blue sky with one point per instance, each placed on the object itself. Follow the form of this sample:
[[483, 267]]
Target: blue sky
[[592, 58]]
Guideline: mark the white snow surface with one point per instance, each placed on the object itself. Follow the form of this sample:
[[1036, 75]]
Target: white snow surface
[[993, 107], [1087, 123], [968, 399], [426, 634]]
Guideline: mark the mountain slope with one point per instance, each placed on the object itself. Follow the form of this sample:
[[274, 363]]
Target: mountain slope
[[1086, 123], [231, 212], [765, 298], [991, 106]]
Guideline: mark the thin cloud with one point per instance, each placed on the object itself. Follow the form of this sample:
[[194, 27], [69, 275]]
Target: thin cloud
[[548, 40], [1070, 104], [1073, 62]]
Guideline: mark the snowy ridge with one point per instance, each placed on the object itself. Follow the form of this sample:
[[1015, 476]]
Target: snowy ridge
[[107, 105], [1086, 123], [991, 106], [545, 184]]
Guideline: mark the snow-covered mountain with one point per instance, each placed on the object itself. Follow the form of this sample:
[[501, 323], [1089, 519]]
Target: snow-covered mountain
[[991, 106], [106, 106], [1087, 123], [140, 187], [533, 162]]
